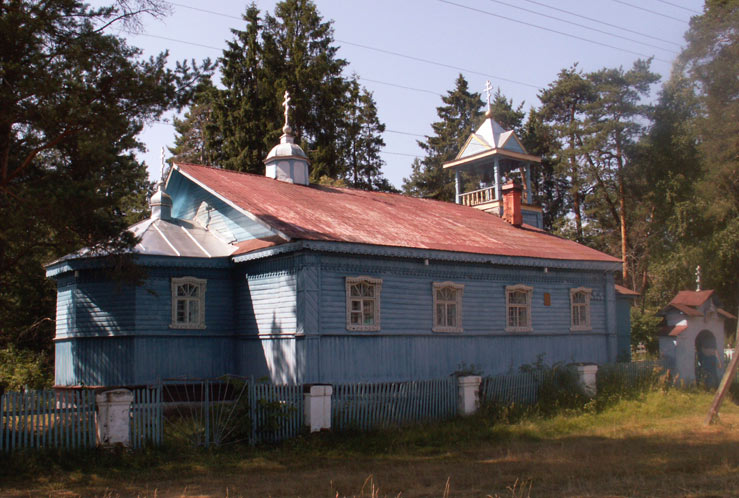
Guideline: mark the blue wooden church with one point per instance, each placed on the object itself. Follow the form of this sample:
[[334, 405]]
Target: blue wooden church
[[274, 277]]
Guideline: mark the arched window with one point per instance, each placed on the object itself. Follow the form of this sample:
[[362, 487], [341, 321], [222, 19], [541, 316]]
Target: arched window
[[447, 301], [188, 303], [363, 303], [518, 308], [580, 308]]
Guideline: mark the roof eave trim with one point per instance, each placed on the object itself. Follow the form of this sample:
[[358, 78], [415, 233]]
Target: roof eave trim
[[88, 263], [238, 208], [431, 254], [490, 153]]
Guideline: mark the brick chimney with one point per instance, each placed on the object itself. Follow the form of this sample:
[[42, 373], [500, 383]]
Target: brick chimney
[[512, 203]]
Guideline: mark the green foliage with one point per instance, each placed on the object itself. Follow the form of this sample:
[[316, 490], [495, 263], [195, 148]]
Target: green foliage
[[459, 116], [72, 102], [22, 368], [628, 381], [645, 326], [558, 387], [334, 118], [361, 141]]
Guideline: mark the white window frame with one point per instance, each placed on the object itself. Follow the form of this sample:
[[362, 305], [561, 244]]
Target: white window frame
[[588, 294], [200, 299], [529, 291], [377, 284], [459, 292]]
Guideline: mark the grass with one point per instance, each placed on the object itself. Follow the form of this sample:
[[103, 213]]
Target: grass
[[651, 445]]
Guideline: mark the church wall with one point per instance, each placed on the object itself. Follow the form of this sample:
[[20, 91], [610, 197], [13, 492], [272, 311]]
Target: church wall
[[115, 334], [405, 346]]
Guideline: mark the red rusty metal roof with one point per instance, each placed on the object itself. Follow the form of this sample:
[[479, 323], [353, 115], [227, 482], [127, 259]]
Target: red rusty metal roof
[[692, 298], [688, 310], [625, 291], [674, 331], [326, 213]]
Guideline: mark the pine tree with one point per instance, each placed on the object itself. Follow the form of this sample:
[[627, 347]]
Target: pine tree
[[460, 114], [613, 125], [72, 101], [563, 104], [198, 138]]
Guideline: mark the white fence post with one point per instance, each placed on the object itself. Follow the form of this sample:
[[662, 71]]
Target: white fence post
[[113, 417], [318, 407], [586, 379], [469, 394]]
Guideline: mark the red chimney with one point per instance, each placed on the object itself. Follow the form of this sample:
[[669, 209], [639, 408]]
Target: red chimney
[[512, 203]]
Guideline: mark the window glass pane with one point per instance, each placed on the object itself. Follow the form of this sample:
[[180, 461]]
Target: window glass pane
[[181, 291], [517, 297], [180, 311], [578, 298], [193, 312], [368, 305], [356, 318], [368, 290], [451, 315], [356, 305], [522, 317], [440, 320], [512, 322], [195, 290], [354, 290]]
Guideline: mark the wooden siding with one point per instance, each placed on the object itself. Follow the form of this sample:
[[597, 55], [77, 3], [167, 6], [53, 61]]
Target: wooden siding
[[94, 361], [267, 297], [112, 334], [407, 305], [623, 328], [188, 203], [182, 357], [381, 358]]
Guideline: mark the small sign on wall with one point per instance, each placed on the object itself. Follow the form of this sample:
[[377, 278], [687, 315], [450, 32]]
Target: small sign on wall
[[547, 299]]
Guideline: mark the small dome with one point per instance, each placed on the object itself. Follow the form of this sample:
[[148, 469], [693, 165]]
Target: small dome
[[286, 149], [160, 204]]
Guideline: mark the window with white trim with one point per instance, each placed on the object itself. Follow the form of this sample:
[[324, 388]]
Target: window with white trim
[[188, 303], [518, 308], [447, 307], [580, 308], [363, 303]]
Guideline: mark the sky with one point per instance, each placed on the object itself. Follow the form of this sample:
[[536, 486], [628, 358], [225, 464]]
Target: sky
[[408, 53]]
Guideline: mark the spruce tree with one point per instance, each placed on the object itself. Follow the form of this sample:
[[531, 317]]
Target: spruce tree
[[300, 57], [459, 116], [362, 141], [245, 110]]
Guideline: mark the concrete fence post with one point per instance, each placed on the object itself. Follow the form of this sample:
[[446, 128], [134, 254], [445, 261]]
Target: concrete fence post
[[318, 407], [469, 394], [586, 379], [114, 417]]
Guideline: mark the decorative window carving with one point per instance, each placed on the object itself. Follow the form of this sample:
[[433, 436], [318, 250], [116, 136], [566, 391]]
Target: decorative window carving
[[518, 308], [188, 303], [447, 307], [580, 308], [363, 303]]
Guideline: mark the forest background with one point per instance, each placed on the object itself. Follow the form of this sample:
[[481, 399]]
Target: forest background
[[653, 182]]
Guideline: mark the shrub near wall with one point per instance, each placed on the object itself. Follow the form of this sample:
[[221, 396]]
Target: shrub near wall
[[21, 369]]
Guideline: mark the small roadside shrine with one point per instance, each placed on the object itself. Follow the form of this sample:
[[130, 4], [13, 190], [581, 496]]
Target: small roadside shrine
[[693, 335]]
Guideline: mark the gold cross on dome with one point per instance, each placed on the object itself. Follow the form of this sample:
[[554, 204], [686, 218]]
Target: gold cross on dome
[[286, 105], [488, 90]]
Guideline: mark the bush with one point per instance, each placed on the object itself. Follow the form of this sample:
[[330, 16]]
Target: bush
[[558, 387], [21, 368]]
